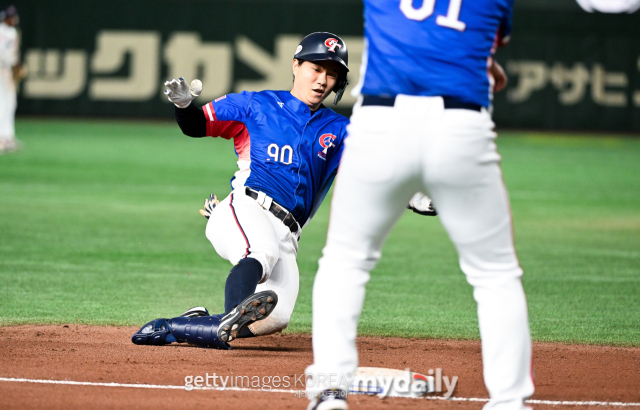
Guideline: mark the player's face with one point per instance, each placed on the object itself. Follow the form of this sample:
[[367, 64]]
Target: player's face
[[314, 81], [12, 21]]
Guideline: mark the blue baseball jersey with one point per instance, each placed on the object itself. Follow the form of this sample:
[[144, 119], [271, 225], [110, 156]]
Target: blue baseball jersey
[[433, 47], [294, 154]]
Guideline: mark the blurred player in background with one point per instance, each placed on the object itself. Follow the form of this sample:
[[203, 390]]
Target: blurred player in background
[[422, 123], [11, 72], [610, 6], [289, 146]]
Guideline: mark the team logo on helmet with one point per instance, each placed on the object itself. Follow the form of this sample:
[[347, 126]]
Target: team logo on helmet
[[331, 44], [326, 142]]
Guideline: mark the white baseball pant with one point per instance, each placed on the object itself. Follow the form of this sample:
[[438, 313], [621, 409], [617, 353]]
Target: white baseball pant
[[8, 103], [392, 152], [239, 227]]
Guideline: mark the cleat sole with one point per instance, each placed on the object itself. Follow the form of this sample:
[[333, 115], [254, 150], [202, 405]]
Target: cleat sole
[[256, 307]]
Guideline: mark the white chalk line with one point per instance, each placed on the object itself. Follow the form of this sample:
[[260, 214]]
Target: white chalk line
[[244, 389]]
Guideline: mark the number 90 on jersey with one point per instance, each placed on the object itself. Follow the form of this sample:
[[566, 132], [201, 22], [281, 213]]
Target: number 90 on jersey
[[283, 155]]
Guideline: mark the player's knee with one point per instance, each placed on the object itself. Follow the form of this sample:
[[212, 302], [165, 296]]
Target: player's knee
[[490, 274], [492, 257], [277, 321], [340, 257], [267, 259]]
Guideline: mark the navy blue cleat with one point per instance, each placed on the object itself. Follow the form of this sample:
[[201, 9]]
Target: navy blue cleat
[[156, 332], [255, 307]]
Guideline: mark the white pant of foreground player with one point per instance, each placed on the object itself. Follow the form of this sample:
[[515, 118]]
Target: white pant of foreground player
[[239, 227], [450, 154]]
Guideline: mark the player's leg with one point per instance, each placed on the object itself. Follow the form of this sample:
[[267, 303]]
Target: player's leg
[[464, 180], [11, 101], [207, 331], [13, 105], [284, 281], [242, 233], [372, 190], [6, 110]]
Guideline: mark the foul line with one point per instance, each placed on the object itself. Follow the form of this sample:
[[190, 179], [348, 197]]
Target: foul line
[[173, 387]]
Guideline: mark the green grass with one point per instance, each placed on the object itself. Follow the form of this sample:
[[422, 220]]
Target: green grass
[[99, 224]]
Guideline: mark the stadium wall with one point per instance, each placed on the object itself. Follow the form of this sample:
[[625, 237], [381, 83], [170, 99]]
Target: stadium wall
[[568, 69]]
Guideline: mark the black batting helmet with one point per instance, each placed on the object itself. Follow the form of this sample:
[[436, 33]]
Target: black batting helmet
[[326, 46]]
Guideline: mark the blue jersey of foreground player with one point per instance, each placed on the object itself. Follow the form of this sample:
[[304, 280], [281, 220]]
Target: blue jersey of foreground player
[[294, 154], [433, 47]]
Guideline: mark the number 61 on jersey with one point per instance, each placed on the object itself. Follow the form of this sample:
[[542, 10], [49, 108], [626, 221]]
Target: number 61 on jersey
[[419, 14]]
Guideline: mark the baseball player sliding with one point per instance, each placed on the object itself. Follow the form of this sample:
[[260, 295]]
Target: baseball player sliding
[[421, 123], [289, 146]]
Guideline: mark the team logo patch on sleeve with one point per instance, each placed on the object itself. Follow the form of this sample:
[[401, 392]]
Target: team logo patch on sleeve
[[220, 98], [326, 142], [331, 44]]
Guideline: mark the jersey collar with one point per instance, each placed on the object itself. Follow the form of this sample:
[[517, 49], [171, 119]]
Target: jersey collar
[[294, 104]]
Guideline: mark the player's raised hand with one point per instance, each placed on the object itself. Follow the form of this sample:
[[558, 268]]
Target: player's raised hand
[[209, 205], [179, 93]]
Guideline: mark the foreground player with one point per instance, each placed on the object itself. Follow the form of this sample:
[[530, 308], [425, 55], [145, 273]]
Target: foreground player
[[289, 146], [422, 124]]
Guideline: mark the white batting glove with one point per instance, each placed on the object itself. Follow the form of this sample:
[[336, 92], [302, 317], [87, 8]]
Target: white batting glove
[[209, 205], [179, 93], [421, 204]]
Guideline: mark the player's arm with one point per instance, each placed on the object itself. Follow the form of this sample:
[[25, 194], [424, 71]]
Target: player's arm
[[190, 118], [499, 76], [192, 121], [210, 120], [18, 70], [502, 38]]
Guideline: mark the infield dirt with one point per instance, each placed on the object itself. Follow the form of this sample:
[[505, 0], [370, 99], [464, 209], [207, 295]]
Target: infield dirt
[[106, 355]]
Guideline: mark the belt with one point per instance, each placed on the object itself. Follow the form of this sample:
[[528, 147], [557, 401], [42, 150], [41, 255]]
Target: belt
[[277, 210], [449, 102]]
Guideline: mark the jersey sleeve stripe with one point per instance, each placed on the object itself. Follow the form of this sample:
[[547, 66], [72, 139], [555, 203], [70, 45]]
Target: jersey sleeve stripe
[[210, 113]]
